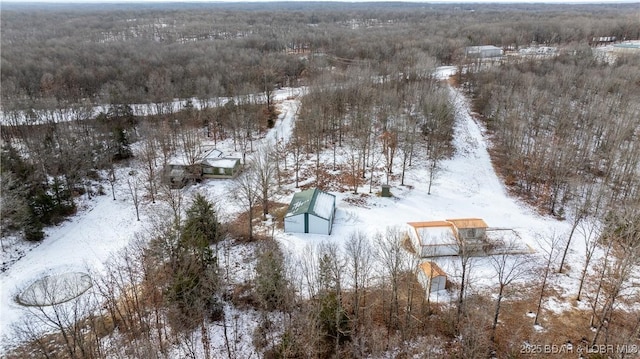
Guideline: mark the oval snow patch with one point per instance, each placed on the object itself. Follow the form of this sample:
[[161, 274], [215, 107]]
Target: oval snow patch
[[55, 289]]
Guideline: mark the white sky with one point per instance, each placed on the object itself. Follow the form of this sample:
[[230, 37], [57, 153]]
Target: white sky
[[353, 1]]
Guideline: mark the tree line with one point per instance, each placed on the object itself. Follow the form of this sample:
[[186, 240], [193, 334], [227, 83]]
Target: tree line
[[56, 58]]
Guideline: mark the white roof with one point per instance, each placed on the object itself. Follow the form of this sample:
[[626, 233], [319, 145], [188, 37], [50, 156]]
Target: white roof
[[214, 153], [221, 162], [482, 47], [324, 205]]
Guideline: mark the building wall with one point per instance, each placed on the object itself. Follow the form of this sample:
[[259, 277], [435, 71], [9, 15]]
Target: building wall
[[483, 52], [472, 233], [294, 224], [319, 225], [220, 172], [491, 53], [437, 283], [431, 250], [414, 239], [439, 250]]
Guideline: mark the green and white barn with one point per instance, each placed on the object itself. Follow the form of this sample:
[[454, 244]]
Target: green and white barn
[[310, 211]]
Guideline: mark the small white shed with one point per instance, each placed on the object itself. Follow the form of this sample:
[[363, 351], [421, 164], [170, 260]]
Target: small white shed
[[310, 211], [432, 277]]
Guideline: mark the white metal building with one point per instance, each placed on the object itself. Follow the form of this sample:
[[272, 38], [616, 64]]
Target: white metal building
[[484, 51], [310, 211], [443, 238], [434, 239]]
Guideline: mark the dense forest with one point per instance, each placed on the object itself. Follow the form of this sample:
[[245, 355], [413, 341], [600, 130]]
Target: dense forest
[[98, 96]]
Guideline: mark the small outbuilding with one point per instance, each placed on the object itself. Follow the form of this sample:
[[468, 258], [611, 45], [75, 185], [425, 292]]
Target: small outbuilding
[[432, 277], [310, 211]]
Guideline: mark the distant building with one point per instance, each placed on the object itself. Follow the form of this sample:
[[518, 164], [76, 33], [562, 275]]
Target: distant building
[[445, 238], [310, 211], [603, 40], [627, 47], [432, 277], [485, 51]]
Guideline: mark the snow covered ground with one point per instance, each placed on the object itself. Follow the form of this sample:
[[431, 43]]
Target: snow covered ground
[[467, 186], [84, 241]]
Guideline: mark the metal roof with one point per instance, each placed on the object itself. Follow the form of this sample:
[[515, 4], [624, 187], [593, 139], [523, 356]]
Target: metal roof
[[481, 48], [438, 232], [313, 201], [226, 162], [462, 223], [432, 270], [430, 224]]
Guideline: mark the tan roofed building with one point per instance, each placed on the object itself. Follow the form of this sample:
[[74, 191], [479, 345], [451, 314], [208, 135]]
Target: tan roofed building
[[444, 238], [432, 277]]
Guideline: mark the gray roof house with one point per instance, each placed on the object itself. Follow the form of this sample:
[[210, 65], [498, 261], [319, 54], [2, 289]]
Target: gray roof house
[[310, 211], [211, 163]]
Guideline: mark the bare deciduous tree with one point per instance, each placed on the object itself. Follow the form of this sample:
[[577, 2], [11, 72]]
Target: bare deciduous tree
[[550, 248], [111, 177], [190, 145], [590, 230], [264, 169], [392, 256], [149, 155], [623, 233], [174, 198], [134, 184], [508, 268], [333, 318], [466, 260], [246, 191], [359, 258], [46, 312]]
